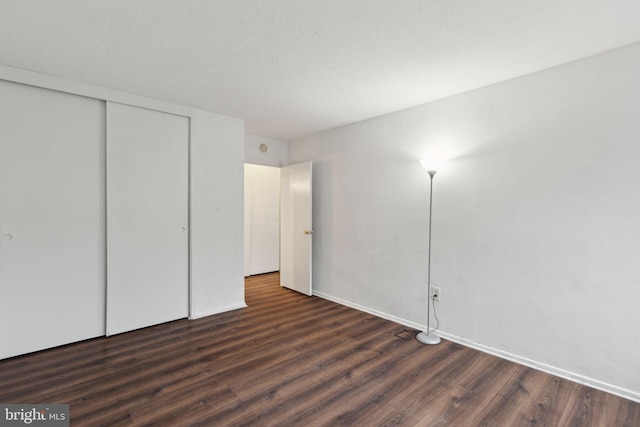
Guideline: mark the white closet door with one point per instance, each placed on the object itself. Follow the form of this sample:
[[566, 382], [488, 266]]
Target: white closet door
[[52, 219], [147, 217]]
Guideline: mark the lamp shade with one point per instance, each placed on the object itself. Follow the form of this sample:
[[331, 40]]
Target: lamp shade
[[432, 164]]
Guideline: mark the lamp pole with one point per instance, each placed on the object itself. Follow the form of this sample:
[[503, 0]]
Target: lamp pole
[[426, 337]]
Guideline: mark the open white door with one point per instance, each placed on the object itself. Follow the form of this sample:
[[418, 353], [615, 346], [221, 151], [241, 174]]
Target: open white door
[[295, 227]]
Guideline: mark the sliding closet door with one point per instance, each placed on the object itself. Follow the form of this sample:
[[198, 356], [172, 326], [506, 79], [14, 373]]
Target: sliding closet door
[[147, 217], [52, 218]]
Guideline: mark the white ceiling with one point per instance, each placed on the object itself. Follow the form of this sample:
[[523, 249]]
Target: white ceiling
[[297, 67]]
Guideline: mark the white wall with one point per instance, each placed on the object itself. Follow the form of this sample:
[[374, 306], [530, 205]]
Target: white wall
[[276, 154], [217, 187], [535, 220]]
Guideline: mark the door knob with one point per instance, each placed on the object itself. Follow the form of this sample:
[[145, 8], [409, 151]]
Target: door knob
[[308, 232]]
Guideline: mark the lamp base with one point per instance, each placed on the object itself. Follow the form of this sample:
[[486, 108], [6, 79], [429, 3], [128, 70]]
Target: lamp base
[[427, 338]]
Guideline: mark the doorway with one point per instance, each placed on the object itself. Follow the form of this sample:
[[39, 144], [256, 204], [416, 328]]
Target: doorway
[[278, 223], [261, 219]]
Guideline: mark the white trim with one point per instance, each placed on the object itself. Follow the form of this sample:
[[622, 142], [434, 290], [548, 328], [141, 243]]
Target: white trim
[[377, 313], [190, 223], [571, 376], [218, 310], [32, 78]]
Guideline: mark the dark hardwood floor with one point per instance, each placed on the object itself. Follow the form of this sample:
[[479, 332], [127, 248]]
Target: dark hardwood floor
[[293, 360]]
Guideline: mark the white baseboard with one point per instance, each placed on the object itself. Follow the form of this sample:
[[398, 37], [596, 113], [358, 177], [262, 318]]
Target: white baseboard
[[377, 313], [581, 379], [218, 310]]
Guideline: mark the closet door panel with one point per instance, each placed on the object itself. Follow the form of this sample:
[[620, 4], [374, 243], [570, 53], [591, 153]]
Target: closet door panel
[[52, 218], [147, 217]]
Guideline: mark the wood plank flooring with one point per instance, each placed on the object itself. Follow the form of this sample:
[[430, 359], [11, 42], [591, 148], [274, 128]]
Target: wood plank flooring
[[292, 360]]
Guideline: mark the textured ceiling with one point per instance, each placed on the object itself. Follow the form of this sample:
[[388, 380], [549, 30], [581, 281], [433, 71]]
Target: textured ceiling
[[295, 67]]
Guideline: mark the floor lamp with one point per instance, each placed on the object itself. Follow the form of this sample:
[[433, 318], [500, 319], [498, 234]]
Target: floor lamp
[[427, 336]]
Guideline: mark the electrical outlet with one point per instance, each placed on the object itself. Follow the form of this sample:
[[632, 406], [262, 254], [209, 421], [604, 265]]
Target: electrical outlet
[[435, 293]]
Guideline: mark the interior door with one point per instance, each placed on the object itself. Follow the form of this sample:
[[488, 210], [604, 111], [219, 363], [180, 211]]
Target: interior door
[[52, 218], [296, 227], [147, 217]]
